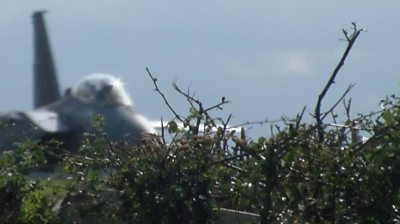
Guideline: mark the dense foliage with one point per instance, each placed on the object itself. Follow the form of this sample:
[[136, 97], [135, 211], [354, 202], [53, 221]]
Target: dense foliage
[[289, 177]]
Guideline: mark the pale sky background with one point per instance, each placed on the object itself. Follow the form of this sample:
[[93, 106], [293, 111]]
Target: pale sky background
[[270, 58]]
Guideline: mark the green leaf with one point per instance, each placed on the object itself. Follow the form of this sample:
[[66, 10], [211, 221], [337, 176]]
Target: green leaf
[[388, 117], [172, 127]]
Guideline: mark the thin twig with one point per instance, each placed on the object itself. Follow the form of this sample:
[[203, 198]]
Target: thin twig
[[223, 101], [262, 122], [187, 95], [300, 117], [347, 108], [163, 96], [162, 132], [349, 88], [223, 134]]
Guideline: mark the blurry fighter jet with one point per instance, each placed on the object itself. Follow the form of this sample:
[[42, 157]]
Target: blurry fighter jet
[[66, 118]]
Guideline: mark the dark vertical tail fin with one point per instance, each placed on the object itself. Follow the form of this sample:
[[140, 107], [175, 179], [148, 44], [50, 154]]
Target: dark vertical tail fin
[[45, 84]]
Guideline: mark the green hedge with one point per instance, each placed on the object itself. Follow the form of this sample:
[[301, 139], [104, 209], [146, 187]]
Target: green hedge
[[289, 177]]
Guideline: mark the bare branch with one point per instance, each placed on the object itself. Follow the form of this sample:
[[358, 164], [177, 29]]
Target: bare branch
[[300, 117], [163, 96], [347, 107], [162, 132], [262, 122], [218, 105], [186, 95], [351, 39], [349, 88]]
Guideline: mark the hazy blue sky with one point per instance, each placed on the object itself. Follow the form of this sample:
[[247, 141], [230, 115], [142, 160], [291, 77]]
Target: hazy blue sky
[[270, 58]]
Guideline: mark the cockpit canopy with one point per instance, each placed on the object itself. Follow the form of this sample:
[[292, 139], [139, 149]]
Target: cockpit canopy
[[102, 89]]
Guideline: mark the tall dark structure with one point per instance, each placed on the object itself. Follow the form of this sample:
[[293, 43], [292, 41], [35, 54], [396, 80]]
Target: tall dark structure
[[66, 118], [45, 84]]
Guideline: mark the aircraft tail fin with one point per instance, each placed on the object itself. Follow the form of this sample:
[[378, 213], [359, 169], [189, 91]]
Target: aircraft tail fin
[[45, 84]]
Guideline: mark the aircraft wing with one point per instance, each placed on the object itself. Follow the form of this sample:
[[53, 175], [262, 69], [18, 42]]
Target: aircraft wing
[[47, 121], [36, 125]]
